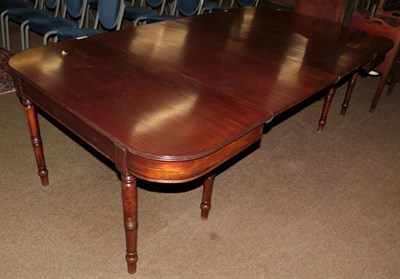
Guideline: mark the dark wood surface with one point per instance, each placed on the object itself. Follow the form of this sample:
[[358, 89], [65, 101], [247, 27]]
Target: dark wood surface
[[170, 102], [286, 57], [148, 111]]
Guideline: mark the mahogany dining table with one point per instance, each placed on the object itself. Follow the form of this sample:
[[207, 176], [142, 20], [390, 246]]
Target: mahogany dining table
[[169, 102]]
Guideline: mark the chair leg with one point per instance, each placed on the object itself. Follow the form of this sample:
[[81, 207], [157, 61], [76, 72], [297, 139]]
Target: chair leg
[[205, 205], [3, 31], [87, 17], [7, 32], [349, 91], [47, 36], [22, 30], [378, 92], [392, 83]]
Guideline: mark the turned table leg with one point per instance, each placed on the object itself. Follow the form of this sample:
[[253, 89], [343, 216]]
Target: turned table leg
[[129, 203], [205, 205], [325, 109], [349, 91], [34, 130]]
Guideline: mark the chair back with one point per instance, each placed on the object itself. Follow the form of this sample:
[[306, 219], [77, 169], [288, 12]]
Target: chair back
[[155, 3], [189, 7], [50, 4], [76, 9], [110, 13], [53, 5]]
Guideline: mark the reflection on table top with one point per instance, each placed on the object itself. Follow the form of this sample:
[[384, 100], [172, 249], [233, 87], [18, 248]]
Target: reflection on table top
[[268, 58]]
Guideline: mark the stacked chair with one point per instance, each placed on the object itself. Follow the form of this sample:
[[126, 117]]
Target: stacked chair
[[209, 6], [138, 15], [49, 27], [9, 4], [22, 15], [109, 16], [181, 8], [5, 5], [155, 11]]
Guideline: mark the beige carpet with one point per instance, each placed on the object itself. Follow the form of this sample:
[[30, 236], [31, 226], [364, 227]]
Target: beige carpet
[[302, 205]]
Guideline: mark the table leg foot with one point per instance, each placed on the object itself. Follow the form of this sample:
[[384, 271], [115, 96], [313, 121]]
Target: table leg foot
[[34, 130], [325, 109], [129, 203], [349, 91], [131, 261], [205, 205]]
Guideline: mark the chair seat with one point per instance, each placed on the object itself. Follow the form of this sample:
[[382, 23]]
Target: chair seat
[[20, 15], [158, 18], [73, 33], [45, 25], [132, 13], [5, 5]]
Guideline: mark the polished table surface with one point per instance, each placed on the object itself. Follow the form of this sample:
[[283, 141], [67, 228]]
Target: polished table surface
[[149, 112], [286, 57], [170, 102]]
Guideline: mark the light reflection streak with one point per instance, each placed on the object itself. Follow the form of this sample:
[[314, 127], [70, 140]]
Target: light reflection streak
[[166, 42], [153, 120], [294, 58]]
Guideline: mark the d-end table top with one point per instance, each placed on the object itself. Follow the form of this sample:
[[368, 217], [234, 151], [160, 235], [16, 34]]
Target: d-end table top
[[107, 96]]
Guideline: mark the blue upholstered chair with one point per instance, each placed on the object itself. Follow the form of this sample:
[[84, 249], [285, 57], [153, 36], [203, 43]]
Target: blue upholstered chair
[[209, 7], [109, 16], [183, 8], [138, 15], [5, 5], [48, 27], [9, 4], [21, 16]]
